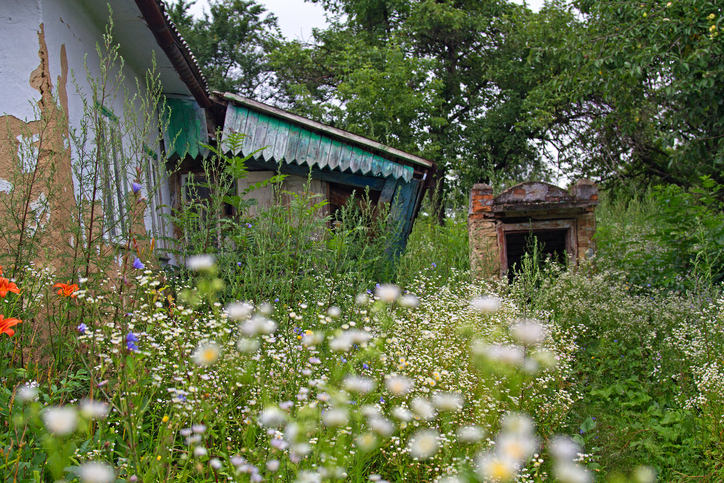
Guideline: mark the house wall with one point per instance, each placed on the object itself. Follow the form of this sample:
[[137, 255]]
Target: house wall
[[48, 52]]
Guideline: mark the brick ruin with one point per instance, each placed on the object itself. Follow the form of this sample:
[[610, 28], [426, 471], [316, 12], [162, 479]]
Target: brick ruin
[[500, 226]]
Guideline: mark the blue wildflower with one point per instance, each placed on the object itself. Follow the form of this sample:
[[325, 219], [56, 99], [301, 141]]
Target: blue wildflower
[[82, 328], [138, 264], [131, 340], [136, 187]]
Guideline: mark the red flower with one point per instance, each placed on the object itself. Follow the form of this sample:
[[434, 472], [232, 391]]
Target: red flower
[[7, 286], [5, 325], [66, 289]]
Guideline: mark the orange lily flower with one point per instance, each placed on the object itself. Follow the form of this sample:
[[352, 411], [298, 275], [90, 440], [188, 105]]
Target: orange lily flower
[[66, 289], [5, 325], [7, 286]]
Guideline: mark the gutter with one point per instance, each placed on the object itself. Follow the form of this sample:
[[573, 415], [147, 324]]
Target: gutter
[[174, 47]]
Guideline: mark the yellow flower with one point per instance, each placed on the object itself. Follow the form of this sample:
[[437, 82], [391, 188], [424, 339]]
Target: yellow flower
[[164, 419], [711, 16]]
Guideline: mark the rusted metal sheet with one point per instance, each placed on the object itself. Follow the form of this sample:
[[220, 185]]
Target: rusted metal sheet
[[285, 142]]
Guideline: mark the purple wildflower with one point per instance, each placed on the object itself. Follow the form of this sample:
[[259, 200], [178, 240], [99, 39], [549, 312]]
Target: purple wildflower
[[136, 187], [131, 340], [82, 328], [138, 264]]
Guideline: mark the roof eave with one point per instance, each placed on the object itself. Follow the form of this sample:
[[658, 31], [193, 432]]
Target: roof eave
[[330, 131], [175, 48]]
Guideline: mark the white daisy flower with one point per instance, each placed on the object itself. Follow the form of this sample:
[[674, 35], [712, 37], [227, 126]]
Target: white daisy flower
[[424, 444], [381, 426], [198, 263], [96, 472], [492, 466], [359, 384], [448, 401], [239, 310], [93, 409], [399, 385], [335, 417], [470, 434], [571, 473], [60, 420], [485, 304], [528, 332], [401, 414], [27, 393], [272, 417], [423, 408], [207, 353], [387, 292]]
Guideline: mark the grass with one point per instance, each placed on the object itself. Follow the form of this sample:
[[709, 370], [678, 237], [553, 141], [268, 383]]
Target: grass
[[563, 375]]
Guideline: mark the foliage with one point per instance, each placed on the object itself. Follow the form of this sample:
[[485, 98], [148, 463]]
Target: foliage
[[669, 237], [231, 43], [640, 372], [445, 80], [438, 251], [639, 95]]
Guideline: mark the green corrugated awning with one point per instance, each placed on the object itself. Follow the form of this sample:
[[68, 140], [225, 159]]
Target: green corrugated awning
[[186, 128], [286, 142]]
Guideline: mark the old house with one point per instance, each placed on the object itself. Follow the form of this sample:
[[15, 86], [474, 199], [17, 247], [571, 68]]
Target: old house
[[500, 227], [338, 162], [68, 117]]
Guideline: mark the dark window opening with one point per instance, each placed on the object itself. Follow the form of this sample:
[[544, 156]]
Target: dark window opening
[[340, 194], [551, 243]]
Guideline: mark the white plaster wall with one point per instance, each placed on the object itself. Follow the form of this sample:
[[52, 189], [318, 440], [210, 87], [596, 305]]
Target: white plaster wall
[[69, 23], [19, 21]]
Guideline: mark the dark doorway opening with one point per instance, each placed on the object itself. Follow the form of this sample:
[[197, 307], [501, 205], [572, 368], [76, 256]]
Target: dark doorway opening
[[551, 243]]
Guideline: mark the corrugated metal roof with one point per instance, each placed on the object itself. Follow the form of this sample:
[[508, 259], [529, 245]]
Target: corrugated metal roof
[[288, 142], [186, 128]]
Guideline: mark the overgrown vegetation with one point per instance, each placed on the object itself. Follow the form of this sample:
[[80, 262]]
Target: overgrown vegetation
[[288, 348]]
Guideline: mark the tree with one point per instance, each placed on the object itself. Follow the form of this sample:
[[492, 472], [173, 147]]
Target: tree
[[443, 79], [642, 93], [231, 44]]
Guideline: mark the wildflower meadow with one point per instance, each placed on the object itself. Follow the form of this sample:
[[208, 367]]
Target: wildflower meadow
[[284, 347], [438, 378]]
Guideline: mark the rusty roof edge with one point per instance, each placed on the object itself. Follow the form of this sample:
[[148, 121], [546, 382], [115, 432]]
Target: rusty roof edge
[[333, 132], [176, 49]]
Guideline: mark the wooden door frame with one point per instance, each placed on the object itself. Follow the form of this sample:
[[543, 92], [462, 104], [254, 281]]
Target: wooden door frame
[[569, 225]]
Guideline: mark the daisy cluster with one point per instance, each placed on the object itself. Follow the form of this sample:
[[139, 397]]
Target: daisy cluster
[[395, 386]]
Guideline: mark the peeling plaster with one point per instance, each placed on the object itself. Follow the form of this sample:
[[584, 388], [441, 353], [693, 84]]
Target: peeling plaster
[[28, 152], [38, 208], [5, 186]]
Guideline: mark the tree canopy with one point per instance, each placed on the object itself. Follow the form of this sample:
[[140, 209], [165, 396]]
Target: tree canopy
[[490, 90], [231, 43]]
